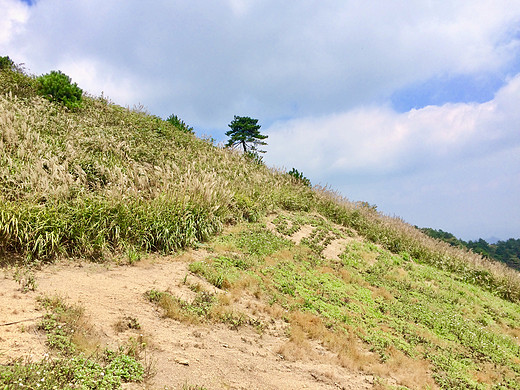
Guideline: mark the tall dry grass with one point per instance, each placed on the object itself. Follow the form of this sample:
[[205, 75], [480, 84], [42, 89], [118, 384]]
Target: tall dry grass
[[103, 178]]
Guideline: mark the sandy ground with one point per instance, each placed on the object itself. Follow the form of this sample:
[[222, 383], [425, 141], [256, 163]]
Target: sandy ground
[[209, 355]]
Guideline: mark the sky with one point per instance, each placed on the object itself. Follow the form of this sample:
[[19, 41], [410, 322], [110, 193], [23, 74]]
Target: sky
[[412, 106]]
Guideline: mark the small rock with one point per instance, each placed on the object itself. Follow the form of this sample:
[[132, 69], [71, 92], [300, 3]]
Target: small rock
[[184, 362]]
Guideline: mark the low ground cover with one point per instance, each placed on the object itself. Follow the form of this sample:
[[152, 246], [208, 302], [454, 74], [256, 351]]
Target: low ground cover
[[75, 360], [377, 310]]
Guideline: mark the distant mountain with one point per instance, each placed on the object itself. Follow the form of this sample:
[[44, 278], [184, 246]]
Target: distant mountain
[[493, 240]]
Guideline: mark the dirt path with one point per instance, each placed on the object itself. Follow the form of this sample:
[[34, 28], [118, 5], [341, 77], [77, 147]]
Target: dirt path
[[213, 356]]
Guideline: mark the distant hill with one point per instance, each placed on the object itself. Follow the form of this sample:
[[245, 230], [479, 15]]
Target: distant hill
[[492, 240], [507, 252]]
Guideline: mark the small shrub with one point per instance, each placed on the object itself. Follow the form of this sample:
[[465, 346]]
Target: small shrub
[[13, 79], [126, 368], [58, 87], [25, 278], [6, 63], [299, 177], [179, 123]]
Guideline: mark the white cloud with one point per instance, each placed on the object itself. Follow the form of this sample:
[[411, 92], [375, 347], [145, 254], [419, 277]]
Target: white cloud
[[12, 19], [209, 60], [379, 140]]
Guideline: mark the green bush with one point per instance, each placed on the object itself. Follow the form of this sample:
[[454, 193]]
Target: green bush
[[6, 63], [57, 87], [13, 79], [299, 177], [179, 123]]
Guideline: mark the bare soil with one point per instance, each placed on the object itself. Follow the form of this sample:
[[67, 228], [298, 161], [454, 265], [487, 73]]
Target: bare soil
[[209, 355]]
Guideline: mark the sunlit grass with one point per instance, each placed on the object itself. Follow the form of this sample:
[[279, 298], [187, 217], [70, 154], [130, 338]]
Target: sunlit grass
[[104, 179], [378, 311]]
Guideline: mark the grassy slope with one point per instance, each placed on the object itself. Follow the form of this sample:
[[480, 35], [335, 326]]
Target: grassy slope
[[380, 312], [107, 181]]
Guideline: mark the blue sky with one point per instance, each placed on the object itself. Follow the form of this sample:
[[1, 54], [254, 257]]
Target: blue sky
[[412, 106], [449, 89]]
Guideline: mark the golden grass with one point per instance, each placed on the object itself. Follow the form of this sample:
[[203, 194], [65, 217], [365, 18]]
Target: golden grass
[[406, 371], [248, 283], [381, 292], [350, 352], [173, 309]]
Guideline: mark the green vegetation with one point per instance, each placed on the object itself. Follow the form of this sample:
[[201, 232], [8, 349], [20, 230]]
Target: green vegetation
[[378, 311], [70, 373], [6, 63], [101, 181], [507, 252], [77, 365], [179, 123], [299, 177], [57, 87]]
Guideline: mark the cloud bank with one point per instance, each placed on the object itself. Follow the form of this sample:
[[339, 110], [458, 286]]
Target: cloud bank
[[210, 60], [378, 140]]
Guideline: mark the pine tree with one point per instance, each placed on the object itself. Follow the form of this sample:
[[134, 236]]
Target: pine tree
[[245, 133]]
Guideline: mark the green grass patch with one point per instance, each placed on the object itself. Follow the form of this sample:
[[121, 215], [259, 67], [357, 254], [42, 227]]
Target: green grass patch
[[76, 372], [88, 227], [388, 302]]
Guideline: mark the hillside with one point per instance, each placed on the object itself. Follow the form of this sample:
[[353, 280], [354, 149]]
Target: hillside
[[135, 254], [507, 252]]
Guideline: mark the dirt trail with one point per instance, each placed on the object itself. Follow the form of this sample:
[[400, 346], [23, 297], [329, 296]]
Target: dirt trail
[[211, 355]]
